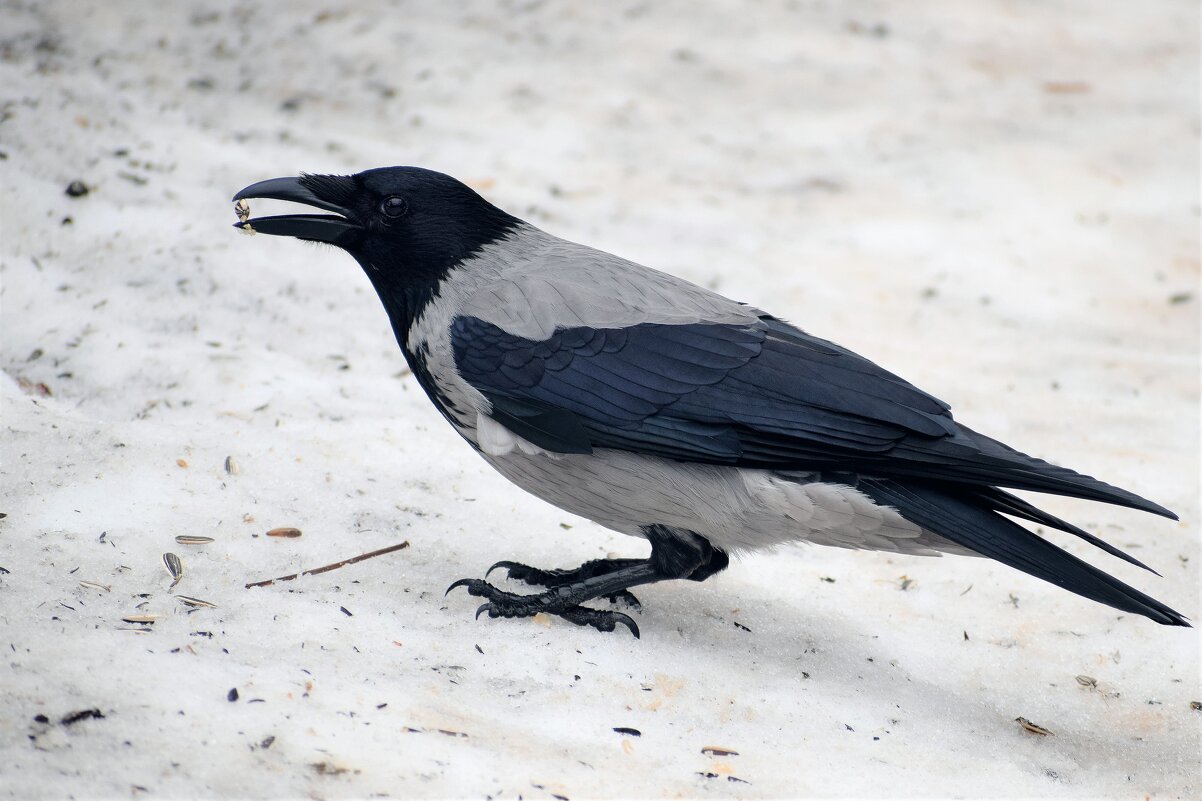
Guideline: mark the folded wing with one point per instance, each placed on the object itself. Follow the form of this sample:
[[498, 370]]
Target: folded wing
[[761, 395]]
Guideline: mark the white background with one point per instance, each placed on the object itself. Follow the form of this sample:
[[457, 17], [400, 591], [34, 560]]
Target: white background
[[997, 200]]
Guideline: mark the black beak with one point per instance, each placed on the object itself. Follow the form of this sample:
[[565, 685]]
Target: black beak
[[330, 228]]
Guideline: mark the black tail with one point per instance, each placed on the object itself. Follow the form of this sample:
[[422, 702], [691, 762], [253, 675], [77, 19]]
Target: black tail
[[973, 458], [1001, 501], [972, 520]]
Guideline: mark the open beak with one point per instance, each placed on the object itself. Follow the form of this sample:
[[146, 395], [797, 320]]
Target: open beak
[[330, 228]]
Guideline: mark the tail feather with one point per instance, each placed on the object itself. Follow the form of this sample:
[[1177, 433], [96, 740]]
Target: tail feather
[[1004, 502], [1044, 476], [972, 458], [964, 520]]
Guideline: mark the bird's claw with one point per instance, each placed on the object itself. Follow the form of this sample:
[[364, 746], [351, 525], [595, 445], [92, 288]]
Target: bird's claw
[[463, 582], [505, 563], [557, 601], [580, 615], [600, 620], [530, 575], [516, 571]]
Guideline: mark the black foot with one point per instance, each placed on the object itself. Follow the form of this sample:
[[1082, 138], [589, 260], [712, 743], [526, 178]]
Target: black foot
[[555, 602], [559, 578], [675, 554]]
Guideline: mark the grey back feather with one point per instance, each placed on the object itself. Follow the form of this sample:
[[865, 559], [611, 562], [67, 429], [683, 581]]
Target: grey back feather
[[531, 283]]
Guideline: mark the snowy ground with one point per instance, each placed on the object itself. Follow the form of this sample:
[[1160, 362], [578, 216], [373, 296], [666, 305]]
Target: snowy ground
[[997, 200]]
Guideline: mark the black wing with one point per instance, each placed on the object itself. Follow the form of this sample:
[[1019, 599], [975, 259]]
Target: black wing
[[764, 395]]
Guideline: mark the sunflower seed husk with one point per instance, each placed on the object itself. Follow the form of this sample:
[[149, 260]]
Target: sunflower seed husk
[[285, 531], [187, 539], [231, 466], [1034, 728], [174, 566], [97, 585], [141, 618], [190, 601], [1087, 681], [242, 209], [717, 750]]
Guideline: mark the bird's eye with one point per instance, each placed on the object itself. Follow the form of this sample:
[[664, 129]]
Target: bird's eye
[[393, 206]]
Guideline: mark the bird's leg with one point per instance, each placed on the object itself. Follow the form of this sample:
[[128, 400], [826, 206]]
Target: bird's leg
[[558, 578], [675, 554]]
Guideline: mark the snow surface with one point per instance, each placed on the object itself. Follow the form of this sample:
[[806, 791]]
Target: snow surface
[[997, 200]]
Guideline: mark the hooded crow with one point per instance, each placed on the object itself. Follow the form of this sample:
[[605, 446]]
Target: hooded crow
[[665, 411]]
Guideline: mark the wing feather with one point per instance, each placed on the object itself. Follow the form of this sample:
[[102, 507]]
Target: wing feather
[[755, 395]]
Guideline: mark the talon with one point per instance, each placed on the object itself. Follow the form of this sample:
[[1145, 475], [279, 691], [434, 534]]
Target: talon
[[463, 582], [486, 608], [503, 563], [626, 621]]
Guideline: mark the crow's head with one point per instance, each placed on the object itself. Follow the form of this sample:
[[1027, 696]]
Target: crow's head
[[405, 225]]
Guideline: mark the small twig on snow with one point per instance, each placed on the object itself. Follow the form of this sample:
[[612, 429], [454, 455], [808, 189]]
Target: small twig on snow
[[328, 568]]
